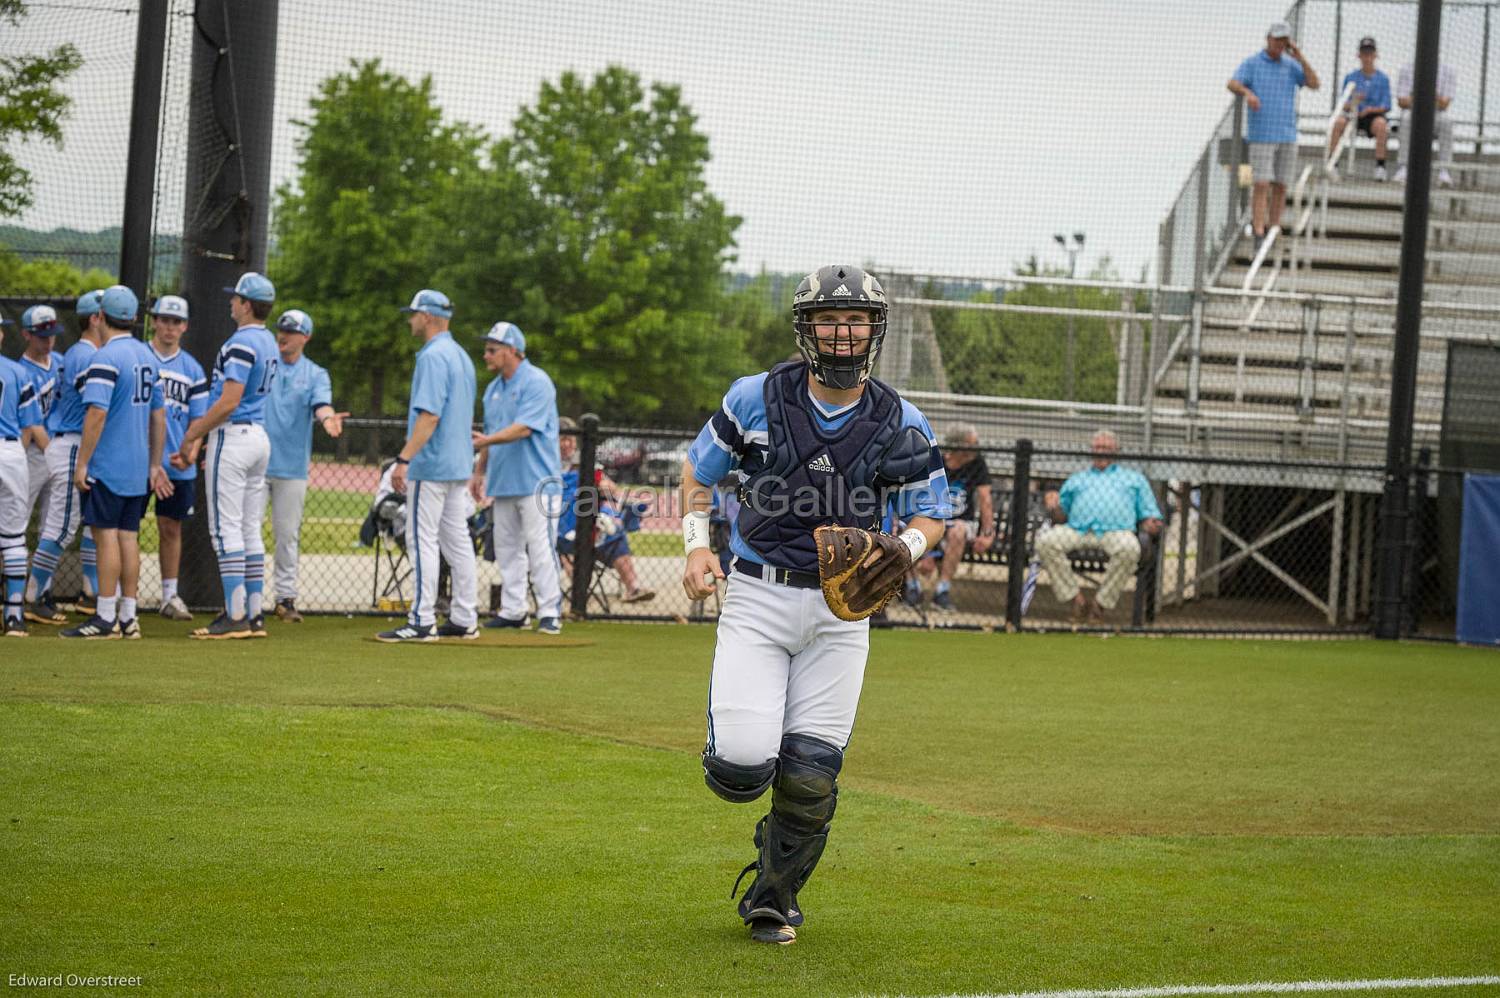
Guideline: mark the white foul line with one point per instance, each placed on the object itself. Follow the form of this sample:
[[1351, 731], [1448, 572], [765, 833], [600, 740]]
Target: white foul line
[[1262, 987]]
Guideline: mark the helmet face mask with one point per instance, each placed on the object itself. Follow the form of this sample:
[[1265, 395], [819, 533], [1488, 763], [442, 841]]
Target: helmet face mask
[[840, 351]]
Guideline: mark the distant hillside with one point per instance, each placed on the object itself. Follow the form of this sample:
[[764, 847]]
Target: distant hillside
[[86, 249]]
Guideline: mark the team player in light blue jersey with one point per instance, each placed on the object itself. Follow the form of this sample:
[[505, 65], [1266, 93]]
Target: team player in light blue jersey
[[39, 327], [303, 395], [437, 459], [813, 442], [63, 513], [185, 389], [520, 466], [20, 425], [234, 467], [119, 463]]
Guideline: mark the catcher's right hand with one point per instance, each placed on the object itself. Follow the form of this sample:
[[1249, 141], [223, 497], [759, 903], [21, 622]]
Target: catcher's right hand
[[860, 570]]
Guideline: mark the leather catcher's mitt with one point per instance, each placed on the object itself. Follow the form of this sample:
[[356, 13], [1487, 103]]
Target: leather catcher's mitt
[[860, 569]]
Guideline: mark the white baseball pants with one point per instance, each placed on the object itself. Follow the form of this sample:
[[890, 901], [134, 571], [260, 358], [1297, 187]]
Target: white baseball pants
[[15, 480], [62, 516], [525, 544], [437, 520], [783, 664], [235, 473], [288, 496], [39, 482]]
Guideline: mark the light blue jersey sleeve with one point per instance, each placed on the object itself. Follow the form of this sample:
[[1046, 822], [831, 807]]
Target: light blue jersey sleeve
[[928, 496], [198, 392], [99, 382], [537, 404], [428, 386], [1069, 491], [737, 429], [322, 390], [28, 406], [238, 360], [1245, 74]]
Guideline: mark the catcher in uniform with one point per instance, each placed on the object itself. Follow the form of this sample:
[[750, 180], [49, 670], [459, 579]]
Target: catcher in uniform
[[823, 453]]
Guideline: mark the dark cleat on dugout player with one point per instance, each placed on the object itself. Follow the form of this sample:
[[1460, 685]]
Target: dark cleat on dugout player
[[44, 611], [96, 628], [223, 628]]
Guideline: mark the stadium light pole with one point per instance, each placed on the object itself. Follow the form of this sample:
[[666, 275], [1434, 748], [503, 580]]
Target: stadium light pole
[[1072, 248], [1394, 507]]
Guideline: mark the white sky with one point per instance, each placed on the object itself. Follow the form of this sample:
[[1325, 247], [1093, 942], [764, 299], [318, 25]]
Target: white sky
[[945, 137]]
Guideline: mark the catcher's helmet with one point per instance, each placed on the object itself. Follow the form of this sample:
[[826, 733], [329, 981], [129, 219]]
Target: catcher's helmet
[[840, 361]]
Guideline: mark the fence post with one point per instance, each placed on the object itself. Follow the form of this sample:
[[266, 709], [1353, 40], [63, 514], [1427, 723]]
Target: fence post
[[1415, 525], [1016, 561], [587, 504]]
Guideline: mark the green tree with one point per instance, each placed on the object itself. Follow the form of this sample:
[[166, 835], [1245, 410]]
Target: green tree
[[358, 231], [47, 277], [594, 230], [31, 105], [1021, 354]]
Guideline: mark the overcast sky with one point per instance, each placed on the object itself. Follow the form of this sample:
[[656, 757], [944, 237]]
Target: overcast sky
[[944, 137]]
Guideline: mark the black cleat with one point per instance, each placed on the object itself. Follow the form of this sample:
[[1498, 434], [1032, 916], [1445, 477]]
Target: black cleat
[[549, 625], [96, 628], [452, 630], [505, 622], [258, 626], [44, 611], [223, 628], [15, 627], [768, 930], [287, 611]]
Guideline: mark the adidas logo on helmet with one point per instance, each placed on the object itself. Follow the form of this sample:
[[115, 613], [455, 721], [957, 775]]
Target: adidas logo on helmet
[[842, 291]]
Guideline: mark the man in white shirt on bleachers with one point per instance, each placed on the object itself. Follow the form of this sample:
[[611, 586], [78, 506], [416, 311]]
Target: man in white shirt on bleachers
[[1442, 122]]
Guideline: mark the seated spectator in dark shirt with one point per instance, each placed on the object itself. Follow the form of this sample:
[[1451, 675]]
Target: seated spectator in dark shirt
[[614, 521], [973, 523], [1101, 506]]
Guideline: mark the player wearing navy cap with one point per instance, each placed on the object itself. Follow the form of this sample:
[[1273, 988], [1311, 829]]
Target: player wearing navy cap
[[303, 395], [438, 457], [20, 422], [235, 465], [520, 467], [813, 442], [62, 515], [185, 391], [119, 463], [39, 327]]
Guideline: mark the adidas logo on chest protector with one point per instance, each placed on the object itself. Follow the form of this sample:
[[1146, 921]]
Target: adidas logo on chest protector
[[821, 463]]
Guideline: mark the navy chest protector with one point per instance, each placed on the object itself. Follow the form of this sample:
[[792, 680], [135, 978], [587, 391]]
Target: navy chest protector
[[811, 477]]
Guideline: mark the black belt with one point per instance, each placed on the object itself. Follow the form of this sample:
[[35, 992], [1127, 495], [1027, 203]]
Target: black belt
[[242, 422], [777, 576], [10, 439]]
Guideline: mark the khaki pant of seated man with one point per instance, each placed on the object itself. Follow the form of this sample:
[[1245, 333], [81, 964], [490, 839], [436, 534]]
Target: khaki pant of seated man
[[1122, 546]]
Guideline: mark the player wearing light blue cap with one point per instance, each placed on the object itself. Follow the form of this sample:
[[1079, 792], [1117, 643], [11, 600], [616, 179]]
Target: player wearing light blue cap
[[519, 466], [20, 421], [438, 457], [39, 327], [119, 463], [63, 513], [235, 464], [303, 395], [185, 391]]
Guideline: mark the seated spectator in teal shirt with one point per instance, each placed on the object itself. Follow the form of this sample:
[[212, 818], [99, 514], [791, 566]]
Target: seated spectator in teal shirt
[[1101, 506]]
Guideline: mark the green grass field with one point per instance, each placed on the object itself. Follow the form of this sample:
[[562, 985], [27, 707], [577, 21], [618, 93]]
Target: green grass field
[[320, 814]]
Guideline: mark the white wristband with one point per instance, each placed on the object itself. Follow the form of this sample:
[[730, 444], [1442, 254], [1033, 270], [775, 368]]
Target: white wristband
[[694, 532], [915, 540]]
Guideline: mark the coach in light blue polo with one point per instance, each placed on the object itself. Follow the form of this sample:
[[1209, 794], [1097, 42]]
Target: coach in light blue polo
[[433, 468], [522, 470]]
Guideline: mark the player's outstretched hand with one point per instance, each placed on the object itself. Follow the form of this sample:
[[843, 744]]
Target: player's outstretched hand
[[334, 425], [161, 485], [701, 564], [181, 461], [398, 478]]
